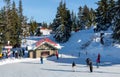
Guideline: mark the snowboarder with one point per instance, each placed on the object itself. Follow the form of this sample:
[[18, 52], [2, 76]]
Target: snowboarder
[[41, 59], [91, 66], [73, 66]]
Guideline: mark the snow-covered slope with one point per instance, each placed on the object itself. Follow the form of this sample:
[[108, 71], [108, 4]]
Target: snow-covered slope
[[76, 40], [109, 52]]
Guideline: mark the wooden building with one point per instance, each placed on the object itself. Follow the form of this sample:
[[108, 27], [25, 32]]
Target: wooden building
[[45, 48]]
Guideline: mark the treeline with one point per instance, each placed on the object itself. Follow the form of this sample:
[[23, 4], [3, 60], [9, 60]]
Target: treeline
[[14, 26]]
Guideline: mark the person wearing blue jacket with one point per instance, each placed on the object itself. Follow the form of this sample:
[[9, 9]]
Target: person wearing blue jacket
[[41, 60]]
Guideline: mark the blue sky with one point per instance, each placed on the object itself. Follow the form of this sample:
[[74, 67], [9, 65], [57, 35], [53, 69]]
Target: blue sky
[[45, 10]]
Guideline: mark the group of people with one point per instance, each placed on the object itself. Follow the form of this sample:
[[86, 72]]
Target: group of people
[[89, 63]]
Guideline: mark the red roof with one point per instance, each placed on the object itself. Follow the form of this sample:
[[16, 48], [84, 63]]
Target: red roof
[[45, 40]]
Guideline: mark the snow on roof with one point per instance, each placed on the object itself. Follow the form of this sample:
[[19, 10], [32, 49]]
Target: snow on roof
[[47, 40]]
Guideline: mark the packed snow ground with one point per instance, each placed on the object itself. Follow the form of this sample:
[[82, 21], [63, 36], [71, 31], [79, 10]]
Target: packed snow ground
[[55, 68], [71, 51]]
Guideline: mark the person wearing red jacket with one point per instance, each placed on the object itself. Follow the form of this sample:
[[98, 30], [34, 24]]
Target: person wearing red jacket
[[98, 60], [57, 55]]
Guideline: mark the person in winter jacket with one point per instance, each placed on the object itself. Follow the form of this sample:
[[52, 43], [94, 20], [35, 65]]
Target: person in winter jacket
[[87, 61], [98, 60], [73, 66], [41, 59], [98, 57], [57, 55], [91, 66]]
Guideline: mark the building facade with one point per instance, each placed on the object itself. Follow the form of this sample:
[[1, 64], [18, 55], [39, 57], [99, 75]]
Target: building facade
[[44, 48]]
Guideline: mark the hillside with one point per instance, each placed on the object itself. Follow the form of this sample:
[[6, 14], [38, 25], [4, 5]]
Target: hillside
[[110, 52], [76, 46]]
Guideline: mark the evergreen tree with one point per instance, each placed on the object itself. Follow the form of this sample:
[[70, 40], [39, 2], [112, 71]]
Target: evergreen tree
[[80, 14], [57, 20], [74, 22], [2, 24], [116, 31], [50, 26], [22, 27], [38, 33], [21, 20], [2, 20], [102, 19], [8, 26], [85, 17], [62, 23], [111, 6], [25, 28], [44, 25], [91, 18], [111, 12], [33, 26], [12, 21], [14, 24]]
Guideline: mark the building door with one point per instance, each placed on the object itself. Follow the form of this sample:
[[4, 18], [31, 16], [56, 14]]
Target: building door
[[45, 53]]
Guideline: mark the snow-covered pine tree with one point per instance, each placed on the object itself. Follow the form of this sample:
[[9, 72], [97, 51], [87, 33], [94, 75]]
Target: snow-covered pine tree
[[83, 16], [110, 12], [102, 18], [91, 18], [116, 31], [62, 23], [86, 17]]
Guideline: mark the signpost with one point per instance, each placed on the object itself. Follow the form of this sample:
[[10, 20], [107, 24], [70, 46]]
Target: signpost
[[8, 47]]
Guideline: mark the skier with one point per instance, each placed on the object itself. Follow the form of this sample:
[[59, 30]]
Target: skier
[[73, 66], [41, 59]]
